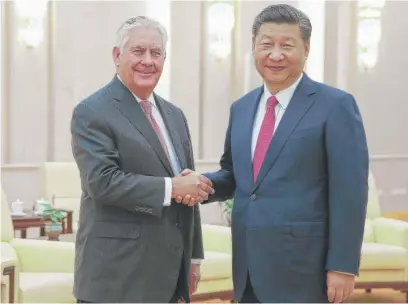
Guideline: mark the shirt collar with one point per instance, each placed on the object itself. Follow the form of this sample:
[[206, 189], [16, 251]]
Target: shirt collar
[[285, 95], [150, 98]]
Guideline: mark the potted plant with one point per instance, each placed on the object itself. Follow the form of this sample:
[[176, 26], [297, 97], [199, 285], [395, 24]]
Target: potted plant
[[53, 222], [227, 209]]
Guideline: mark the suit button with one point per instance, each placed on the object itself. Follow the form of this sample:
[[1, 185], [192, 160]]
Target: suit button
[[253, 196]]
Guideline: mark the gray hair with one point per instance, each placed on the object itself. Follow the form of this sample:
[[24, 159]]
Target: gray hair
[[283, 13], [122, 35]]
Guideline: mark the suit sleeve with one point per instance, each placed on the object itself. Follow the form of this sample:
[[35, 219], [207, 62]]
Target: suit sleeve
[[223, 180], [97, 158], [348, 165], [198, 248]]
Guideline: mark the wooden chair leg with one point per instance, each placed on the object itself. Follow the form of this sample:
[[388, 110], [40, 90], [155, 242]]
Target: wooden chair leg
[[368, 290]]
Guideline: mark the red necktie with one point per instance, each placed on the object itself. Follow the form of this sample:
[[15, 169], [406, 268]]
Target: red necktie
[[147, 108], [265, 136]]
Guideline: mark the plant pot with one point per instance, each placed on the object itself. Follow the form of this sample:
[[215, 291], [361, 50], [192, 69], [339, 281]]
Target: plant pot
[[53, 231]]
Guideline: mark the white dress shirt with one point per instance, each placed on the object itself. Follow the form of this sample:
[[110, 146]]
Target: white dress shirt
[[174, 161], [283, 98]]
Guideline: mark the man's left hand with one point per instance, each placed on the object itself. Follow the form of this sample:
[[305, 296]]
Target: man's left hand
[[195, 276], [339, 286]]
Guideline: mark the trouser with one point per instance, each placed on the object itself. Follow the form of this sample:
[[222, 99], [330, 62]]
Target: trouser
[[249, 295]]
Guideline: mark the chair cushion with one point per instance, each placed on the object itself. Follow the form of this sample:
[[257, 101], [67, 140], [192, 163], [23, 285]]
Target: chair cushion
[[214, 286], [216, 265], [381, 256], [46, 287], [368, 231]]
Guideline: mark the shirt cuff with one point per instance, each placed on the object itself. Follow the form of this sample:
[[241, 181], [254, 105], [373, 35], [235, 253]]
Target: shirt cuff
[[352, 274], [196, 261], [168, 187]]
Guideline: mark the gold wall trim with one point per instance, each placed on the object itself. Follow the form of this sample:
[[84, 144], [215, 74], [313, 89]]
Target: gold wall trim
[[392, 157], [21, 167], [398, 215]]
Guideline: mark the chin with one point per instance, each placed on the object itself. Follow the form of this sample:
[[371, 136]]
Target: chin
[[276, 79], [144, 81]]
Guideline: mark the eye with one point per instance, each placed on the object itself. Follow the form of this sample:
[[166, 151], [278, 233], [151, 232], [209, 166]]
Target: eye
[[287, 46], [156, 53], [266, 45], [138, 51]]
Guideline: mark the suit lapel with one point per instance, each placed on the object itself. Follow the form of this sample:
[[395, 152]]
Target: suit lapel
[[247, 124], [172, 129], [131, 109], [301, 101]]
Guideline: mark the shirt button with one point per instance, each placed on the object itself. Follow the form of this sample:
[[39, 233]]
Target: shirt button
[[253, 196]]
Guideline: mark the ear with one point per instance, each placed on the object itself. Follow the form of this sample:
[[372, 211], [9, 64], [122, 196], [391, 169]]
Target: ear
[[116, 55], [307, 49]]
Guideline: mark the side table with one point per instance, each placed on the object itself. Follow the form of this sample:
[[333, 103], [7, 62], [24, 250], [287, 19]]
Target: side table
[[22, 223]]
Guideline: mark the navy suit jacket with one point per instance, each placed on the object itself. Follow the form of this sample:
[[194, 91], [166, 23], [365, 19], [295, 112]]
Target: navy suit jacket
[[305, 213]]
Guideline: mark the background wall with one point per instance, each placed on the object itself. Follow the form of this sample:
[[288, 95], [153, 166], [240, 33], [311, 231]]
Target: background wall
[[41, 86]]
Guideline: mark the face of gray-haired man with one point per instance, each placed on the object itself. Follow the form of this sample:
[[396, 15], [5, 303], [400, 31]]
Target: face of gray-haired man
[[140, 64]]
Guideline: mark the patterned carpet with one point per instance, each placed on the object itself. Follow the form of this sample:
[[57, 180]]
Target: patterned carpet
[[377, 296], [360, 296]]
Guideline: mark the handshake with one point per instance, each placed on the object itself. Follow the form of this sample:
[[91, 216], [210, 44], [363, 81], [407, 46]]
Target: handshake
[[191, 188]]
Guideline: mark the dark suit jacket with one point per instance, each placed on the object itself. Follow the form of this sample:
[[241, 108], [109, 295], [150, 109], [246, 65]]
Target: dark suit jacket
[[129, 247], [305, 213]]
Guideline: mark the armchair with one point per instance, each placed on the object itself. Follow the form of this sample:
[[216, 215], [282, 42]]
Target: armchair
[[61, 183], [43, 269], [216, 268], [384, 262]]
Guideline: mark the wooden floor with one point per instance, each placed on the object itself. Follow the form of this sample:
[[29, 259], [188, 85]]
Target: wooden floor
[[360, 296]]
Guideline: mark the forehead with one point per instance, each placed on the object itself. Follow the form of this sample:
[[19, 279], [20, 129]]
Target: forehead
[[279, 30], [145, 36]]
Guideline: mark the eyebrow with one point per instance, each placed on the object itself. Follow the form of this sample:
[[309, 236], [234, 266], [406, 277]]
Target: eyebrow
[[140, 47], [271, 38]]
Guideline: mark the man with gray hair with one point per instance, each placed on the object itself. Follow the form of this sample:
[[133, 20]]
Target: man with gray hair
[[296, 162], [134, 244]]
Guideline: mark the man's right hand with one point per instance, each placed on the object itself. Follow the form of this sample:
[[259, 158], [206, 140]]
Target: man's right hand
[[196, 186]]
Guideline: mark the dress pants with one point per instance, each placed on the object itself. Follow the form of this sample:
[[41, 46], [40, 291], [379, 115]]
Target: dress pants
[[249, 295], [178, 292]]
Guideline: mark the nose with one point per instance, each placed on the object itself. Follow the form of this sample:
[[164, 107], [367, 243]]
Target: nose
[[276, 54], [147, 59]]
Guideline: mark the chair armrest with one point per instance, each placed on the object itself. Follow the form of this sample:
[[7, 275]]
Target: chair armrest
[[391, 232], [44, 256], [217, 238], [7, 262], [9, 273]]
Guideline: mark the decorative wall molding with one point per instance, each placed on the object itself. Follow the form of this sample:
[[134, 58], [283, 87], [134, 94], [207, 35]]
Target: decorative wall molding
[[393, 157], [210, 162]]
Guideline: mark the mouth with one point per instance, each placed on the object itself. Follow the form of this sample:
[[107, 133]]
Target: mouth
[[145, 73], [276, 68]]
